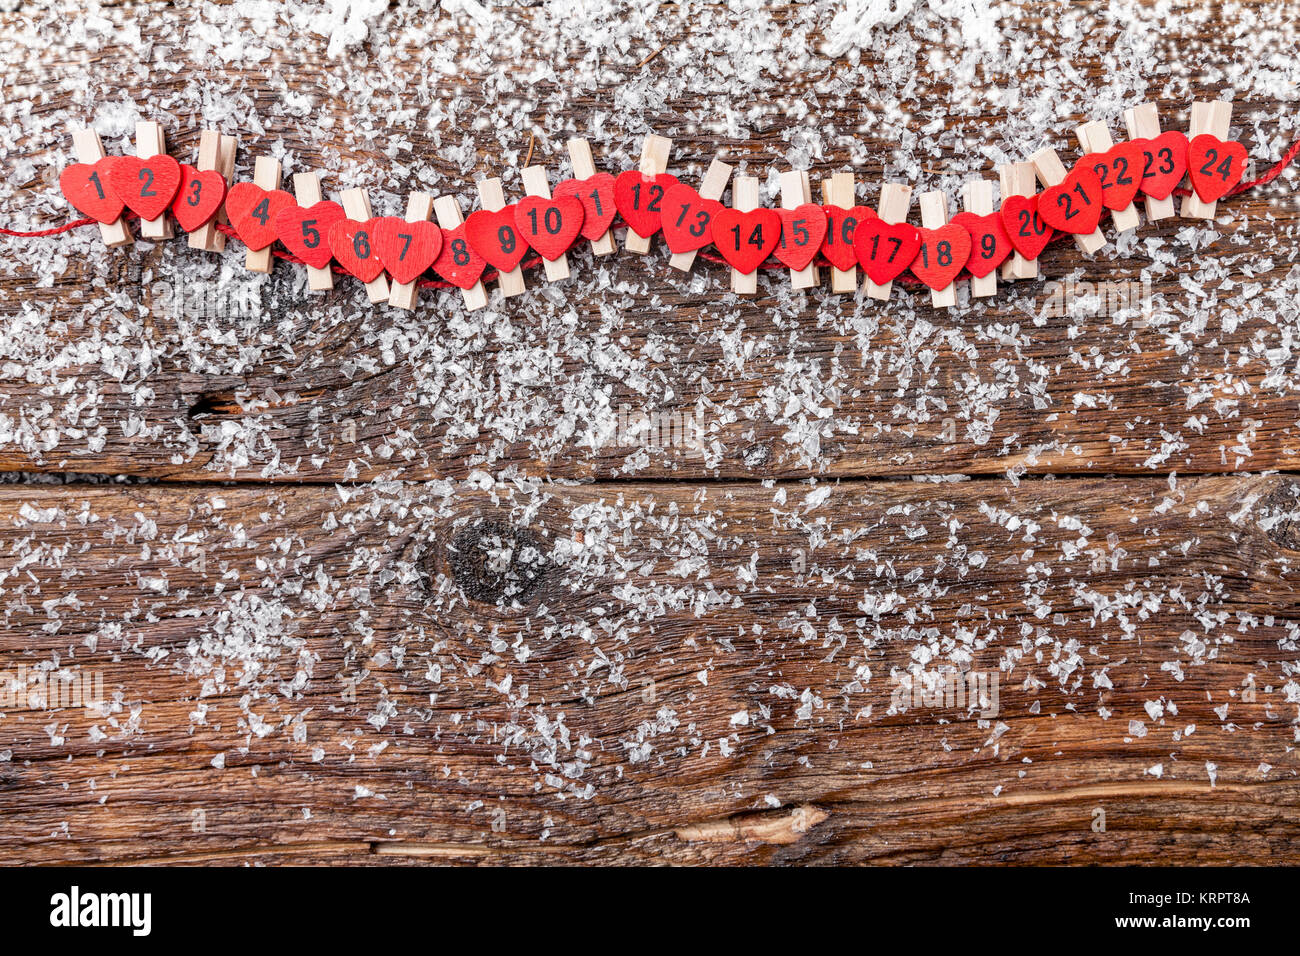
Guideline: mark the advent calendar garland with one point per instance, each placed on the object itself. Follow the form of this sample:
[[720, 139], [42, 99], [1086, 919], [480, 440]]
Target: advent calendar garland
[[799, 237]]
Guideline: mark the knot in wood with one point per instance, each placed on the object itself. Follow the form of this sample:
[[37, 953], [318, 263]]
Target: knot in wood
[[756, 455], [495, 562], [1282, 507]]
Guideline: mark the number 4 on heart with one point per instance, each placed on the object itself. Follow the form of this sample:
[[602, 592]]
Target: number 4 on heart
[[266, 173]]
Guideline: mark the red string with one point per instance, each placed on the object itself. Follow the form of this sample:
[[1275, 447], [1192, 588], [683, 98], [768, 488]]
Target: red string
[[1276, 170], [66, 227], [1272, 174]]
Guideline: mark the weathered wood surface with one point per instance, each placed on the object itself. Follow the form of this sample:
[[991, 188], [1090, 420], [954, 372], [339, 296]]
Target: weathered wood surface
[[1128, 568], [393, 717], [255, 378]]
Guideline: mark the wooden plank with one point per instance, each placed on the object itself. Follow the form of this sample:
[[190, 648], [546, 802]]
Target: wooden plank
[[89, 149], [1120, 397], [1110, 389], [306, 189], [405, 737]]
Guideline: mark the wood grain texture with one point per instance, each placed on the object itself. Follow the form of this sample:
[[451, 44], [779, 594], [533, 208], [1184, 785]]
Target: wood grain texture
[[390, 588], [821, 385], [1130, 575]]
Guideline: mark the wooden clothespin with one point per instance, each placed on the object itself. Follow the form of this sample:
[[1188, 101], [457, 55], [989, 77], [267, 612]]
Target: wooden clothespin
[[536, 183], [1213, 118], [86, 144], [1143, 122], [796, 189], [150, 140], [744, 196], [895, 200], [306, 189], [1017, 179], [977, 199], [447, 209], [584, 167], [838, 191], [493, 198], [266, 173], [1094, 137], [1051, 172], [712, 186], [216, 151], [934, 215], [654, 161], [356, 204], [419, 208]]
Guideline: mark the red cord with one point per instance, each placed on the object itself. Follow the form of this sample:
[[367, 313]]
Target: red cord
[[75, 224], [1268, 177]]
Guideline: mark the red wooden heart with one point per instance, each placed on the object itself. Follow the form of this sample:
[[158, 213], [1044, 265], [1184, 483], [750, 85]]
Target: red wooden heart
[[406, 248], [1028, 233], [353, 245], [1164, 163], [147, 186], [199, 196], [745, 239], [1074, 204], [549, 225], [458, 263], [841, 226], [495, 237], [885, 249], [305, 231], [802, 231], [86, 186], [1215, 166], [597, 196], [990, 244], [1120, 172], [942, 255], [639, 199], [688, 218], [252, 211]]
